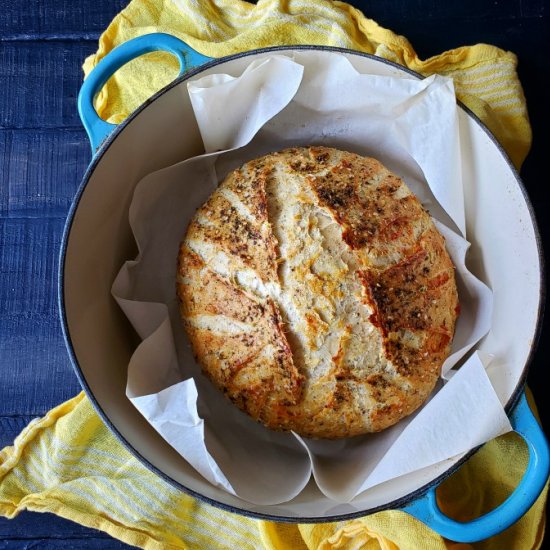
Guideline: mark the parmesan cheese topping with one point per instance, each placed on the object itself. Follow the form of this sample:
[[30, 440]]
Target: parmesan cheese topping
[[321, 296], [317, 293]]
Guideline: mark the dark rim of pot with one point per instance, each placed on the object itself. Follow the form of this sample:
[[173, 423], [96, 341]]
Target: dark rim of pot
[[395, 504]]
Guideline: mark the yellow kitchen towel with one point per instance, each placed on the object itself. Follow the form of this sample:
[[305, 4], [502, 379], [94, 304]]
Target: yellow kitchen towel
[[485, 77], [70, 464]]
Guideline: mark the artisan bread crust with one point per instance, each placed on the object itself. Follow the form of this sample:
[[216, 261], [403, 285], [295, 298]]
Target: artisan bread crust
[[317, 293]]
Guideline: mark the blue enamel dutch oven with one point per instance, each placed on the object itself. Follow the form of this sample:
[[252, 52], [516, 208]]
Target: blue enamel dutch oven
[[98, 239]]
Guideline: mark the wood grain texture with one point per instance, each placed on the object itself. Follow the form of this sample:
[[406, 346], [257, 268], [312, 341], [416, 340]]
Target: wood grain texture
[[10, 428], [56, 18], [36, 183], [61, 528], [39, 83], [82, 543], [28, 267], [31, 343]]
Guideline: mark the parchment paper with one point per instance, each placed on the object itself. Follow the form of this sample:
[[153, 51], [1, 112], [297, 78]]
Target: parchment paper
[[411, 126]]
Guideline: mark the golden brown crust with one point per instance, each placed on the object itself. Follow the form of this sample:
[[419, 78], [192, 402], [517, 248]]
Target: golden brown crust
[[236, 360], [317, 293]]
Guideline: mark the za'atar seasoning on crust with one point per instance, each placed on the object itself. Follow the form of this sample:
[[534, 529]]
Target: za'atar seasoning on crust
[[317, 293]]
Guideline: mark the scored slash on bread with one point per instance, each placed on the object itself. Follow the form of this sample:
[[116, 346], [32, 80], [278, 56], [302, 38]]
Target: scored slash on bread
[[317, 293]]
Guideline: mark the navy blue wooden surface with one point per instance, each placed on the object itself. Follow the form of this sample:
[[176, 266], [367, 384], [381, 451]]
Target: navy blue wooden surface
[[44, 152]]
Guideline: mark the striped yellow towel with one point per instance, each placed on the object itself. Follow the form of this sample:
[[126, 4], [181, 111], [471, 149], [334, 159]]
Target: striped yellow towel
[[484, 76], [68, 462]]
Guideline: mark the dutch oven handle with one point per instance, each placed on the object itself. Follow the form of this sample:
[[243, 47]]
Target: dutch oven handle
[[96, 127], [513, 508]]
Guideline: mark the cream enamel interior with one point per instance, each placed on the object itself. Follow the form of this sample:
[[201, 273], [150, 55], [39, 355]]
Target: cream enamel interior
[[504, 254]]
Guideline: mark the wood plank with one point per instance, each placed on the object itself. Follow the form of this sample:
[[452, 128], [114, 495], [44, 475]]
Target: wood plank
[[525, 37], [31, 343], [40, 375], [40, 171], [56, 17], [39, 83], [10, 428], [28, 267], [69, 542], [44, 526], [533, 8], [422, 10]]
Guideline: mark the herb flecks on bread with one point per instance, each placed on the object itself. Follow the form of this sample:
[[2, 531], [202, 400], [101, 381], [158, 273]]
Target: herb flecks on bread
[[317, 293]]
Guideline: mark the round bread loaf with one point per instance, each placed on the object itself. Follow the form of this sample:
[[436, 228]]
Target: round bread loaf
[[317, 293]]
